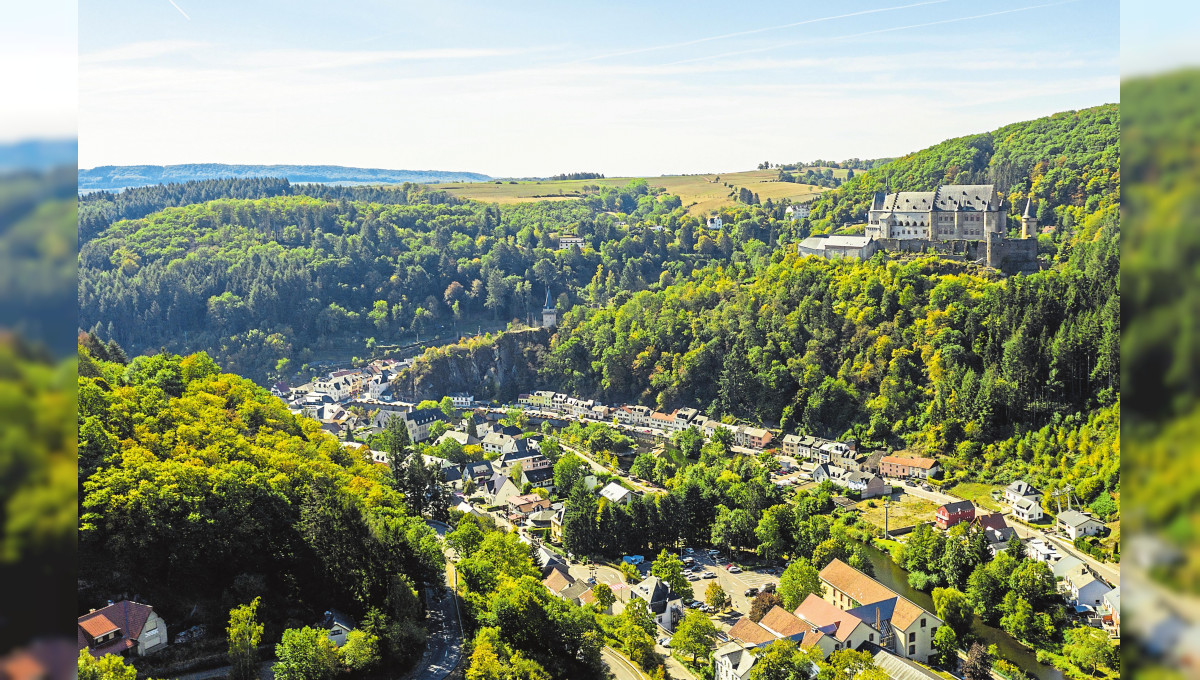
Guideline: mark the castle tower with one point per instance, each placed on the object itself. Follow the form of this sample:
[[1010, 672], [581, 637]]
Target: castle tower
[[1029, 223], [549, 314]]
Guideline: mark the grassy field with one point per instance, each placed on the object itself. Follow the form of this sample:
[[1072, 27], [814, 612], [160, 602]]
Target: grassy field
[[981, 494], [701, 194], [906, 512]]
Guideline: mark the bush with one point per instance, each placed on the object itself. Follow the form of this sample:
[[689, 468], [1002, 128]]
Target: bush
[[922, 581]]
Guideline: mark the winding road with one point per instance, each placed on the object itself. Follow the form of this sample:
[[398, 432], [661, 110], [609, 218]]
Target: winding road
[[444, 647]]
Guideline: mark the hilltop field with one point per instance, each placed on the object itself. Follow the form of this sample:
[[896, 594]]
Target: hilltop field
[[700, 194]]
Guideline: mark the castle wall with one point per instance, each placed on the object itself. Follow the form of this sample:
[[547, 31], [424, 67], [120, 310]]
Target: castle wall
[[1012, 255]]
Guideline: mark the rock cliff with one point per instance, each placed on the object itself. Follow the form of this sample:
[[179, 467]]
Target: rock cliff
[[496, 368]]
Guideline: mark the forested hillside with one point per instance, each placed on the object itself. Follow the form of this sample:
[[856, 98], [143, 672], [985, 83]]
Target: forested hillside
[[287, 273], [1068, 163], [199, 491]]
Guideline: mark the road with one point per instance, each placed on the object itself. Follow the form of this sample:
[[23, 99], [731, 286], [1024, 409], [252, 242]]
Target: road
[[444, 647], [621, 667]]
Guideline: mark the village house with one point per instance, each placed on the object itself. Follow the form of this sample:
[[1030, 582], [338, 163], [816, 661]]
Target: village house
[[1085, 590], [417, 421], [995, 530], [911, 628], [952, 513], [337, 626], [665, 606], [1018, 490], [733, 661], [836, 628], [905, 468], [462, 400], [791, 445], [1027, 510], [125, 628], [1075, 524], [616, 494], [1110, 611], [1042, 551], [753, 437], [524, 505]]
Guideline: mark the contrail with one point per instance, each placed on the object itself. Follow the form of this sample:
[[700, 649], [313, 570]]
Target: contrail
[[185, 16], [762, 30], [874, 32]]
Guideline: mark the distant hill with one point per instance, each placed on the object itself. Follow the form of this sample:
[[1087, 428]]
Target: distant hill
[[117, 177], [38, 154]]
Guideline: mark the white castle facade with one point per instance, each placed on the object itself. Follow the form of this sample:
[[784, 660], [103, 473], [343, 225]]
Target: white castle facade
[[952, 212]]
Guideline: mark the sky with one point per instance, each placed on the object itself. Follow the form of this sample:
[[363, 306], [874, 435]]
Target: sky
[[537, 88]]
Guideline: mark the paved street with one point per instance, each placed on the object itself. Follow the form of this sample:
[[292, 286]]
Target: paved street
[[444, 648], [621, 667]]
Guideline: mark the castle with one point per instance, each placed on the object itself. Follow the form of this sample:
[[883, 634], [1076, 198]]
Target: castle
[[962, 220]]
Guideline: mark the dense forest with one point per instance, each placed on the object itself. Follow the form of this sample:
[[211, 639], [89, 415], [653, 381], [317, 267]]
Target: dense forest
[[1159, 315], [280, 274], [37, 256], [200, 492], [1068, 163]]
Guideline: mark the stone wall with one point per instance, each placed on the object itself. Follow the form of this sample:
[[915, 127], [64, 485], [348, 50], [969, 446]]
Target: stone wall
[[1012, 255]]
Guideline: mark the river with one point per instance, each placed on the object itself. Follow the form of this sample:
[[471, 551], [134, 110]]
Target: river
[[891, 575]]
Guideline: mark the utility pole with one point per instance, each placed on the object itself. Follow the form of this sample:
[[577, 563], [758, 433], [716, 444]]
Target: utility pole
[[886, 504]]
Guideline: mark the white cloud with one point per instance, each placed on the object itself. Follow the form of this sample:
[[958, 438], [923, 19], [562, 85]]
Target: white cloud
[[138, 51]]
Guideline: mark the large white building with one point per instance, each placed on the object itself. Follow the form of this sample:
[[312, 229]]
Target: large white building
[[952, 212]]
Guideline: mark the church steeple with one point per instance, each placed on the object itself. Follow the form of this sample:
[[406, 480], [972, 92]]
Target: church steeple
[[549, 314]]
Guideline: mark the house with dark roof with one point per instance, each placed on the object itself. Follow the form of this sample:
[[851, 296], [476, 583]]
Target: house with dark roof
[[1021, 489], [952, 513], [125, 628], [995, 529], [540, 478], [337, 626], [665, 606]]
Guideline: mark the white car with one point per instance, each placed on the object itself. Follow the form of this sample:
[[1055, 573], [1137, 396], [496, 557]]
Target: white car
[[735, 569], [709, 574]]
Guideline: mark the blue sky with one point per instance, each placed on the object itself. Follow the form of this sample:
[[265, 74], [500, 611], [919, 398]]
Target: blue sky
[[622, 88]]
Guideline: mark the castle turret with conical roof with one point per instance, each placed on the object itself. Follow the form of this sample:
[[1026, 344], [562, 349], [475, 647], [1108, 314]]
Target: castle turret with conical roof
[[1029, 222], [549, 313]]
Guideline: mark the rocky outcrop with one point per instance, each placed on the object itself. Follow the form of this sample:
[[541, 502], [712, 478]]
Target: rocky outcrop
[[496, 368]]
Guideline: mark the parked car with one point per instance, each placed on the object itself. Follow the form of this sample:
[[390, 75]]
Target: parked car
[[633, 559], [709, 574], [769, 588], [735, 569], [665, 642], [591, 580], [751, 592], [688, 551], [692, 577]]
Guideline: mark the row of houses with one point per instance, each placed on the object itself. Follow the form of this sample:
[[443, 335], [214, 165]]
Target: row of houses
[[371, 381], [854, 611], [643, 416]]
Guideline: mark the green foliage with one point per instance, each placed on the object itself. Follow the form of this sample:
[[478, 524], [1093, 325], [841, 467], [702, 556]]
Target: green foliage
[[945, 641], [1090, 649], [668, 567], [245, 632], [716, 597], [107, 667], [694, 635], [361, 652], [978, 665], [954, 608], [305, 654], [1068, 162], [233, 485], [604, 596], [799, 580], [782, 660]]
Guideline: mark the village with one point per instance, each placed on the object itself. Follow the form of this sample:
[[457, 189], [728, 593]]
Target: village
[[499, 472]]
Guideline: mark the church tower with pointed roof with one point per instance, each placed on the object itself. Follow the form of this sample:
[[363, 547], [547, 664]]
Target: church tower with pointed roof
[[549, 313], [1029, 221]]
